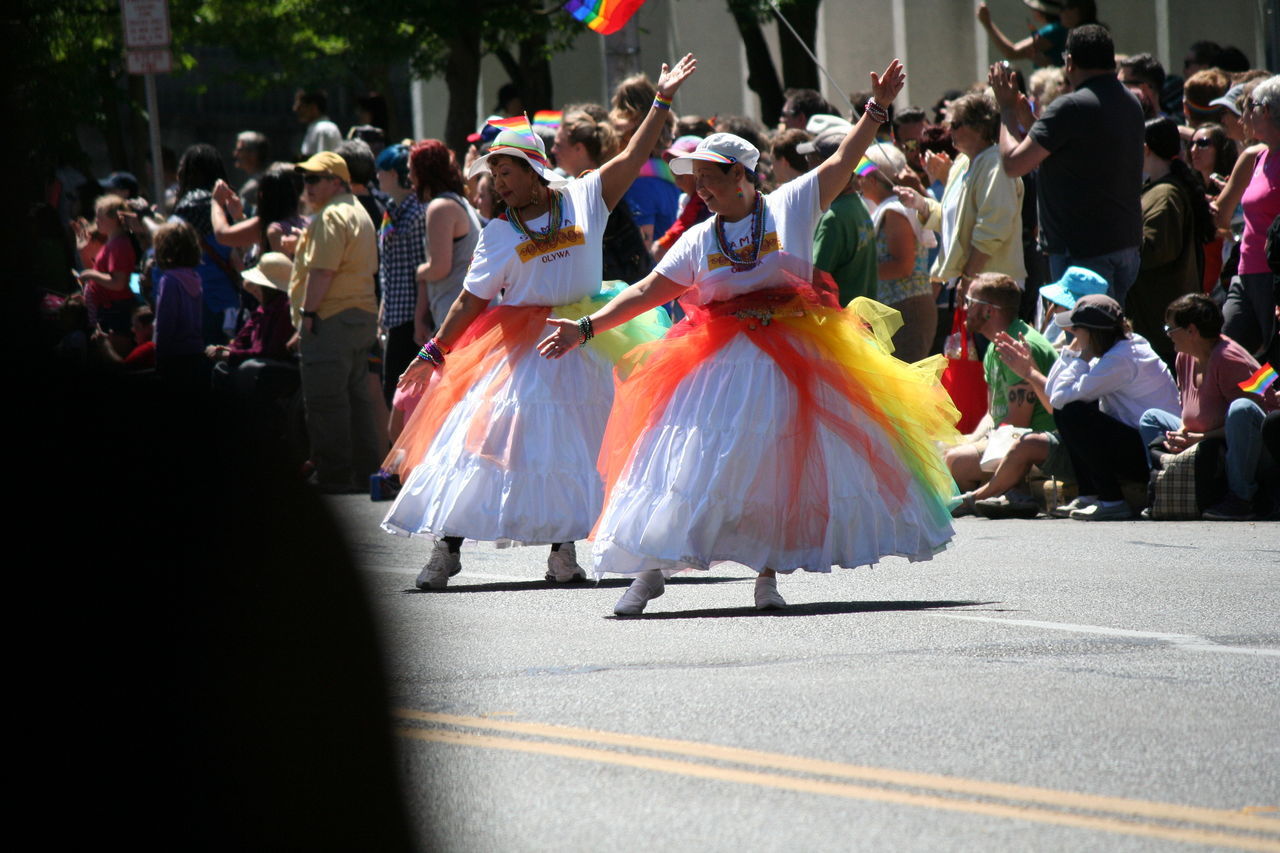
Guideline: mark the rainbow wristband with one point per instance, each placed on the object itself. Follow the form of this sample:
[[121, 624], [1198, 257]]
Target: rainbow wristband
[[661, 103]]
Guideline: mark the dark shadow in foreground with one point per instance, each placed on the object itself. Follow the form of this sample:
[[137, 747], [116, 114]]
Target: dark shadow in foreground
[[817, 608]]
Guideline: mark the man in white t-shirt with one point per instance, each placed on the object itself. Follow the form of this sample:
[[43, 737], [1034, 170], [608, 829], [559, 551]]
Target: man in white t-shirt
[[321, 134]]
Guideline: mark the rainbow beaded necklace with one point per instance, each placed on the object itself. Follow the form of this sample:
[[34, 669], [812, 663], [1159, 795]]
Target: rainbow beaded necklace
[[751, 256], [544, 235]]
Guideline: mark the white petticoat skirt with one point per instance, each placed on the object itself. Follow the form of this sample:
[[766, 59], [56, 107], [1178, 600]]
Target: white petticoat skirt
[[518, 462], [679, 502]]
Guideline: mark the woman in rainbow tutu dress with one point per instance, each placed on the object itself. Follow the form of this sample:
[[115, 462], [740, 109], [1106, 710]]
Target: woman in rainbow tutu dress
[[769, 428], [502, 446]]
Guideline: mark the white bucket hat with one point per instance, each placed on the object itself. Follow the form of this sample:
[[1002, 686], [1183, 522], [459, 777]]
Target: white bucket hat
[[718, 148], [273, 271], [528, 148]]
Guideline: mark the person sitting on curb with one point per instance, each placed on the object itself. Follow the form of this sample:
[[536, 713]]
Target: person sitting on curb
[[992, 304], [1101, 386], [1210, 368]]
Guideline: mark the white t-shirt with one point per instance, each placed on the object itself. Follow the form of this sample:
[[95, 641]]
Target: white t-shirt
[[321, 135], [791, 215], [537, 274]]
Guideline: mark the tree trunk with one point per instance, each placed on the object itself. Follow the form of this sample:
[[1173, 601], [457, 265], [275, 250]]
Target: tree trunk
[[762, 76], [462, 76], [798, 70]]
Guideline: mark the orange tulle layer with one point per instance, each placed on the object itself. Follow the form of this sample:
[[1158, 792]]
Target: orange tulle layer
[[838, 362]]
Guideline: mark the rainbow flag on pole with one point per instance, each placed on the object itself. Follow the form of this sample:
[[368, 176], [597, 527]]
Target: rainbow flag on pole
[[547, 118], [865, 167], [1259, 382], [603, 16], [520, 125]]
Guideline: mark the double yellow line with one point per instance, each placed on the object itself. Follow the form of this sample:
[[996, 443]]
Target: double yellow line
[[1243, 830]]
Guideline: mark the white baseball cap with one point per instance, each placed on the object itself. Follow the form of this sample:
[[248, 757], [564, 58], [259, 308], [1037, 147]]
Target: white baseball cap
[[718, 148]]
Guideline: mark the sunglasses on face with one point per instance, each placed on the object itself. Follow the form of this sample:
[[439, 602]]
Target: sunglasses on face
[[312, 178], [969, 302], [1201, 143]]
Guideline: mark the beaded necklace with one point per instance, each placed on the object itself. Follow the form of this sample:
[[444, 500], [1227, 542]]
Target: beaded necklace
[[751, 257], [544, 235]]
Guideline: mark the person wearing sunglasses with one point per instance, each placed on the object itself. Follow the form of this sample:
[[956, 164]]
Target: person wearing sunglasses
[[331, 292], [1249, 312]]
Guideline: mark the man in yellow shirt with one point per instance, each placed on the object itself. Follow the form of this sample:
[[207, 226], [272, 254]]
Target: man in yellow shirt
[[335, 312]]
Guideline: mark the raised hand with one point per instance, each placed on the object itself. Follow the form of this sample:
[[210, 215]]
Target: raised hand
[[885, 87], [671, 78], [1000, 78], [565, 337], [1015, 354], [937, 165], [984, 15]]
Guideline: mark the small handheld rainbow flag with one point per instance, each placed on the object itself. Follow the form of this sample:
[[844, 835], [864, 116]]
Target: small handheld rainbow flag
[[865, 167], [520, 124], [387, 228], [547, 118], [1259, 382], [603, 16]]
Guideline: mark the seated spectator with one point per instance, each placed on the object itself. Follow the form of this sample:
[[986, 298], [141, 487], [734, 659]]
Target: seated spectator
[[1210, 368], [1063, 294], [902, 254], [992, 304], [1105, 380], [179, 303], [107, 294], [267, 332], [1176, 225], [844, 243]]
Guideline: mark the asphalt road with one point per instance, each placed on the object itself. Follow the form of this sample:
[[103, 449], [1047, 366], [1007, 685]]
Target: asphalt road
[[1044, 685]]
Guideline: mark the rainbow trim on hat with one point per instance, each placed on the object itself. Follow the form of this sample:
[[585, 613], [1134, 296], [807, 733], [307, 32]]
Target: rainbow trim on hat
[[865, 167], [603, 16], [547, 118], [519, 125], [713, 156], [1260, 381]]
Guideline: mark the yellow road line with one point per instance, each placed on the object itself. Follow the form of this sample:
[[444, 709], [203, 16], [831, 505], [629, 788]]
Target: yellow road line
[[843, 790], [779, 761]]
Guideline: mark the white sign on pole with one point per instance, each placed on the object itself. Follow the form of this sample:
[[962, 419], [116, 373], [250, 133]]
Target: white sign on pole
[[150, 60], [146, 23]]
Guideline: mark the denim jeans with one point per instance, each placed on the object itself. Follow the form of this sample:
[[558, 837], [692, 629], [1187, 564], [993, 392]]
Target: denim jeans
[[1119, 268], [1243, 436]]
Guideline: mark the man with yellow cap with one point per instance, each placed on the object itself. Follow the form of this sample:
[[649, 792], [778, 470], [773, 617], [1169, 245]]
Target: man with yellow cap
[[335, 312]]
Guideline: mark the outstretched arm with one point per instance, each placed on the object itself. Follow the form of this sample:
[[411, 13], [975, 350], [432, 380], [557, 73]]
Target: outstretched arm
[[833, 174], [616, 175], [651, 291]]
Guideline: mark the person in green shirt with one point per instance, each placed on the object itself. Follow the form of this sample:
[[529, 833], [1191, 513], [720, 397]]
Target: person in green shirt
[[844, 243], [992, 306]]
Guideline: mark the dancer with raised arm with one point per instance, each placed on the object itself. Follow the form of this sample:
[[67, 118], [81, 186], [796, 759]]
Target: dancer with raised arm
[[769, 428], [503, 445]]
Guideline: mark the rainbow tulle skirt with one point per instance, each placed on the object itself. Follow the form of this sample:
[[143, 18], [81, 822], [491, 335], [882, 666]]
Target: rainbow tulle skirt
[[778, 431], [503, 445]]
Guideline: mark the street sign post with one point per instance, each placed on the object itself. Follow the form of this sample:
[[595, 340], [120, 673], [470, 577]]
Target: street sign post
[[146, 40]]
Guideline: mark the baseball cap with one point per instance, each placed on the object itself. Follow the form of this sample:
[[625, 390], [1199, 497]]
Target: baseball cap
[[326, 161], [718, 148], [683, 145], [820, 122], [1093, 311], [824, 144], [1230, 100]]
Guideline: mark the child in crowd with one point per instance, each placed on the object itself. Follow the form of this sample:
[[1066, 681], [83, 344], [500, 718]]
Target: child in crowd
[[106, 281], [179, 302]]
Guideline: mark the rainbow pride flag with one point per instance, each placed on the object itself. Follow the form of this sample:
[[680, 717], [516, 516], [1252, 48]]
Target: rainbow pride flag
[[603, 16], [864, 167], [519, 124], [547, 118], [1259, 382]]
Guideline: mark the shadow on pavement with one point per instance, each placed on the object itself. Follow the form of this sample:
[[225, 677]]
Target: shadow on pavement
[[538, 583], [817, 608]]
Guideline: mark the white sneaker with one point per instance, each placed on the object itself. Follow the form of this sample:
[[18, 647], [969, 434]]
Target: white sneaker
[[1117, 511], [767, 595], [1065, 510], [562, 565], [439, 568], [643, 589]]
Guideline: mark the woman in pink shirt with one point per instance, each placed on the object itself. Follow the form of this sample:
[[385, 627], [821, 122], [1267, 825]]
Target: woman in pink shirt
[[1249, 313], [1210, 367]]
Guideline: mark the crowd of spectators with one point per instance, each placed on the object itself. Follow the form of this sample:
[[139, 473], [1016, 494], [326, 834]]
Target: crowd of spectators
[[1097, 229]]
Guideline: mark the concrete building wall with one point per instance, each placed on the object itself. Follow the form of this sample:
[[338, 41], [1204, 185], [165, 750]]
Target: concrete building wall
[[939, 39]]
